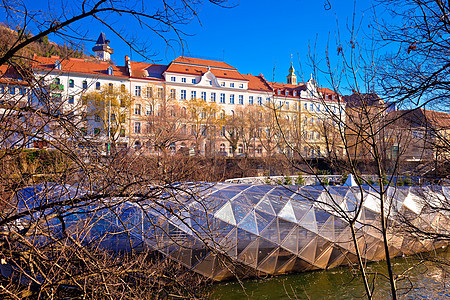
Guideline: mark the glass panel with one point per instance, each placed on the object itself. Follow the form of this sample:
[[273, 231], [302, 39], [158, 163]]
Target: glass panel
[[265, 206], [288, 213], [291, 241], [270, 263], [309, 252], [240, 211], [300, 208], [263, 219], [309, 221], [278, 202], [304, 238], [249, 223], [284, 228], [265, 247], [323, 260], [327, 230], [283, 257], [226, 214], [250, 254], [271, 232]]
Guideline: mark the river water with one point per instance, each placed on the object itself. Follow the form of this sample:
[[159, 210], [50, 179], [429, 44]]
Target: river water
[[424, 281]]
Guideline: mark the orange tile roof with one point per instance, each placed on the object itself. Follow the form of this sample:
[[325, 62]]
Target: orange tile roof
[[199, 71], [147, 70], [197, 67], [76, 65], [257, 83], [202, 62]]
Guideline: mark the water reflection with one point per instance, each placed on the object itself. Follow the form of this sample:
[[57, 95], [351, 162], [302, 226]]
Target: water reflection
[[424, 281]]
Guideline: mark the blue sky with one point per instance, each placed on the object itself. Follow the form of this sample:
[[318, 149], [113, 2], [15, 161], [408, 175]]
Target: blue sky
[[255, 36]]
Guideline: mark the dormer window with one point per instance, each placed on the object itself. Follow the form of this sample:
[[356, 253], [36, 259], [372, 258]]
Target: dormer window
[[279, 92], [286, 93], [294, 93], [109, 71], [57, 65]]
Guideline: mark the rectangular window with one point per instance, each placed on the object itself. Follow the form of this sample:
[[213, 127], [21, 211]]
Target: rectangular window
[[84, 84], [137, 109], [306, 106], [110, 87], [137, 127], [204, 96], [122, 118], [311, 107], [232, 84], [137, 91], [183, 80], [193, 95], [241, 99], [122, 88], [231, 99], [97, 85], [173, 79], [213, 97], [149, 92], [250, 100], [2, 89], [259, 100], [122, 132], [12, 90], [241, 86], [71, 83], [160, 93], [96, 118], [183, 95], [96, 131], [286, 105], [71, 100], [222, 98], [267, 100], [173, 94], [222, 84], [194, 81], [318, 107]]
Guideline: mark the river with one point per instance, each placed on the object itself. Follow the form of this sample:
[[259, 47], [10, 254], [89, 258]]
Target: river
[[425, 281]]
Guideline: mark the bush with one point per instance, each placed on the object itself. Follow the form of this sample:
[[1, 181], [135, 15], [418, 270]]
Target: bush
[[299, 180], [287, 180]]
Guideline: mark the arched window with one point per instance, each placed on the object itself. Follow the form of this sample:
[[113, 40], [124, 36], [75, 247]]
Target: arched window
[[137, 145], [57, 81], [110, 71], [57, 65], [222, 147]]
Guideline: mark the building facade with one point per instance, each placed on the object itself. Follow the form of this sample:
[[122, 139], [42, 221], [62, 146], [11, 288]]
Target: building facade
[[192, 105]]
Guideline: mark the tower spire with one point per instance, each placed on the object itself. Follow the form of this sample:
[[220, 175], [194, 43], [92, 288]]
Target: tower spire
[[102, 49], [292, 78]]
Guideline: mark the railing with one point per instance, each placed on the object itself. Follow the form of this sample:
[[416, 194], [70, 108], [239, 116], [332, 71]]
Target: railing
[[317, 179]]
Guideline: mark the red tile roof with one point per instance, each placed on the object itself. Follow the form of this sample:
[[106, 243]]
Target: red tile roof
[[76, 65], [147, 70], [202, 62], [198, 67], [257, 83]]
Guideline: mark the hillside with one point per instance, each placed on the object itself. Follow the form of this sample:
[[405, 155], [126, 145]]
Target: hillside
[[43, 47]]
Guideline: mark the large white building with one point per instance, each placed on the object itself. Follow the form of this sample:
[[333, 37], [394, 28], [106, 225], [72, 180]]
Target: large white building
[[162, 100]]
